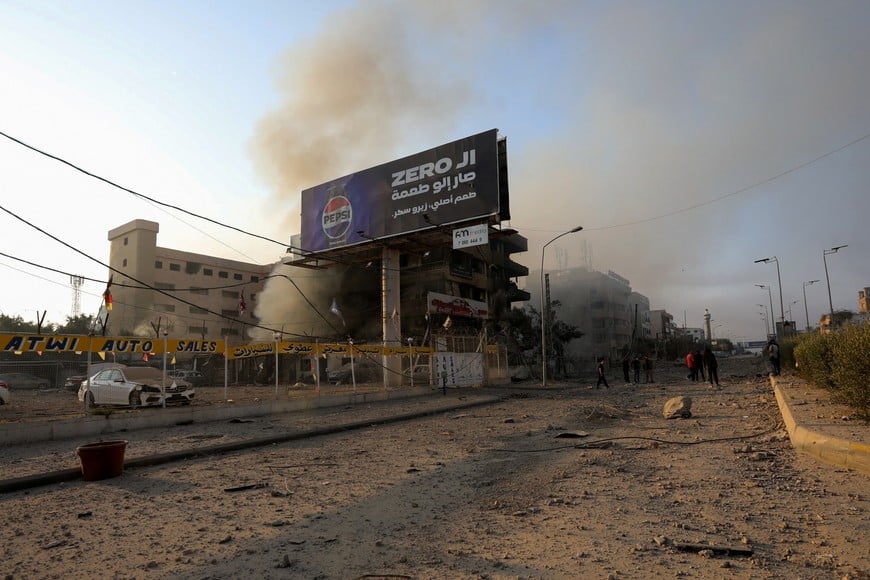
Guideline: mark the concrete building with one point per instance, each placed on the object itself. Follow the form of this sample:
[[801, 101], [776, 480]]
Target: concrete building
[[198, 292], [693, 334], [638, 307], [600, 305], [661, 324], [198, 295]]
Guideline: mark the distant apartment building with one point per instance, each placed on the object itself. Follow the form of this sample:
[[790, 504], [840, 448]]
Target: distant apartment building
[[864, 301], [661, 324], [196, 295], [638, 306], [693, 334], [602, 305]]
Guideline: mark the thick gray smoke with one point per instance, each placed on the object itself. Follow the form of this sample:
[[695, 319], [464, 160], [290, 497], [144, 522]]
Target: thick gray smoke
[[349, 97], [615, 113]]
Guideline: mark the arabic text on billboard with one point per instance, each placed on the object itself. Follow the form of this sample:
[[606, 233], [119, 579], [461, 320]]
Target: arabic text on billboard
[[445, 185]]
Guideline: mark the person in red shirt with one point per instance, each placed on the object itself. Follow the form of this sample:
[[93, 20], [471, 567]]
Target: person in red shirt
[[693, 369]]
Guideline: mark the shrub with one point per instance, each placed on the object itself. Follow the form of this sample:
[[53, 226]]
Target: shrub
[[851, 371], [840, 363], [814, 359]]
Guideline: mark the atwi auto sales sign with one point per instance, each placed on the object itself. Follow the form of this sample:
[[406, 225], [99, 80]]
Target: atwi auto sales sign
[[451, 183]]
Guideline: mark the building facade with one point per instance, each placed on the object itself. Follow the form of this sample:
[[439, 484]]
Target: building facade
[[603, 306], [190, 294]]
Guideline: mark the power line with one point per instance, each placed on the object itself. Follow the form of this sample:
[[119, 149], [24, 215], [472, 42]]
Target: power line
[[724, 196], [159, 290]]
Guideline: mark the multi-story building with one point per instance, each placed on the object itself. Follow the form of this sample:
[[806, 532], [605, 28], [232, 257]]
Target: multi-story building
[[195, 294], [864, 301], [602, 305], [638, 306], [661, 324]]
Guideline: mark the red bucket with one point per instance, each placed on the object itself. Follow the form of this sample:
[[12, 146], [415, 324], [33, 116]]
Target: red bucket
[[102, 460]]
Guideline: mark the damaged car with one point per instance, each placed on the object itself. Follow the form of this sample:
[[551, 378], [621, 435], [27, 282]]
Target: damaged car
[[134, 387]]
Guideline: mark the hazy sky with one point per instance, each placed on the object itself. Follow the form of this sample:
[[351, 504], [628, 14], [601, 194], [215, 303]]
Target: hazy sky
[[688, 138]]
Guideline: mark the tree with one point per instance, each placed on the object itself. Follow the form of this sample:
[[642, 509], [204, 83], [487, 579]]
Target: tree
[[80, 324], [16, 324]]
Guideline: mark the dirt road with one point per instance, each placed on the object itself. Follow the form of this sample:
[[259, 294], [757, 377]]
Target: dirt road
[[489, 492]]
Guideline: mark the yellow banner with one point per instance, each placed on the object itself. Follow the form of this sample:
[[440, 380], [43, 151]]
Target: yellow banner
[[129, 345], [137, 345]]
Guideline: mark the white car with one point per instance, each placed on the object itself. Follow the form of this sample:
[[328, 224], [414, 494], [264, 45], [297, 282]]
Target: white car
[[4, 393], [134, 387]]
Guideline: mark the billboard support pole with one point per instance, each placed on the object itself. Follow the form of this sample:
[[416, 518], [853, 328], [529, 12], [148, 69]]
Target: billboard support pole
[[391, 315]]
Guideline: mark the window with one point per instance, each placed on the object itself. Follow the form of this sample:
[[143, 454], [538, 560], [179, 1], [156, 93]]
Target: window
[[230, 294], [198, 310], [126, 240], [229, 332], [229, 312], [199, 291], [164, 286], [124, 263], [255, 278], [165, 307], [158, 264], [223, 274], [192, 268], [175, 267], [237, 276], [207, 272]]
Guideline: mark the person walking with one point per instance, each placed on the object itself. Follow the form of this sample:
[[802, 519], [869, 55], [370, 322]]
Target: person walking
[[712, 367], [690, 364], [635, 366], [648, 368], [601, 376], [625, 365], [773, 356], [699, 366]]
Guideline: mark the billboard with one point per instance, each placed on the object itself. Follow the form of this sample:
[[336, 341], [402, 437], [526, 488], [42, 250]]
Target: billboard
[[455, 306], [451, 183]]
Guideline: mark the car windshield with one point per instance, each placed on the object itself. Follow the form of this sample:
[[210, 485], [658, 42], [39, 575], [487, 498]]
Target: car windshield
[[143, 373]]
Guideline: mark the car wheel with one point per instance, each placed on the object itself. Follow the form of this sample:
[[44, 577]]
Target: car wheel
[[89, 400], [135, 399]]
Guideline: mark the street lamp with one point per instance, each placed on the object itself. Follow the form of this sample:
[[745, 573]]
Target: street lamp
[[770, 299], [806, 308], [779, 282], [543, 310], [825, 255]]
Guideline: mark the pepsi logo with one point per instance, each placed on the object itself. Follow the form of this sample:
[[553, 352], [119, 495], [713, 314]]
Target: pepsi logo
[[337, 215]]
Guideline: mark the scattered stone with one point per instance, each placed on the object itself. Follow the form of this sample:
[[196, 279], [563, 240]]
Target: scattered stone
[[678, 408], [226, 540]]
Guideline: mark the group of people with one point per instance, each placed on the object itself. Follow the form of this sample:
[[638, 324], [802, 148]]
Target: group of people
[[702, 366], [629, 364], [634, 365], [697, 362]]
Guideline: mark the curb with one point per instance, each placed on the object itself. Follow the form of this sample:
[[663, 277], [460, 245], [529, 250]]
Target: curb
[[830, 450]]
